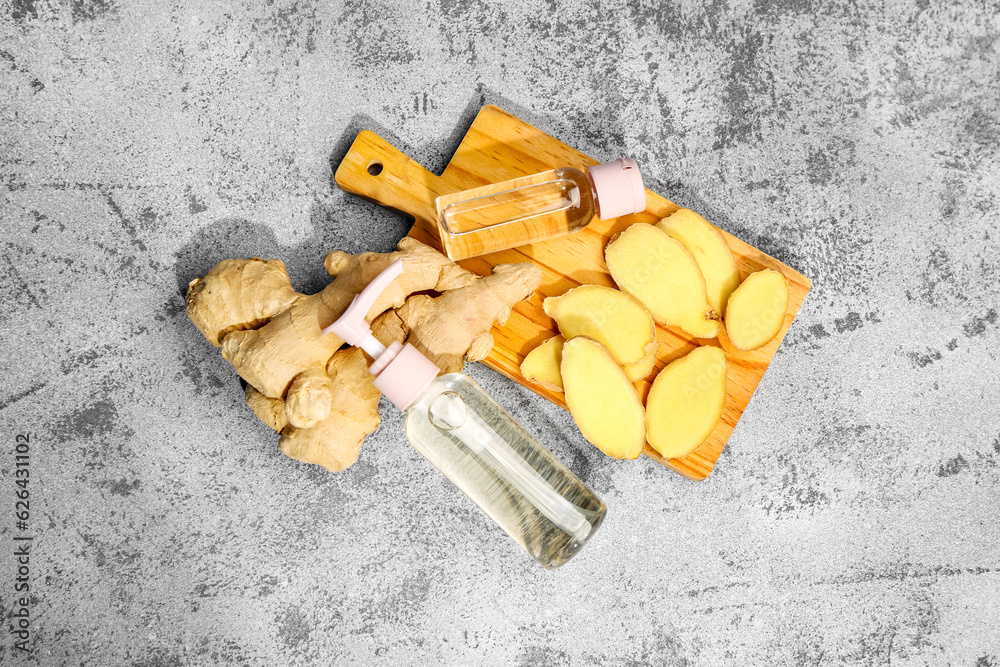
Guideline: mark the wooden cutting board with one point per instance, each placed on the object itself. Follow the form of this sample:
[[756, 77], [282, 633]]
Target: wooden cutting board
[[500, 146]]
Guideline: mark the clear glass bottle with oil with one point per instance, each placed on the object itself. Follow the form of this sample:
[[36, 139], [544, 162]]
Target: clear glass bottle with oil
[[477, 444], [505, 470], [537, 207]]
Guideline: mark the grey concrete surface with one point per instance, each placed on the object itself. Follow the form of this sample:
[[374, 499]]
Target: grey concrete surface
[[853, 519]]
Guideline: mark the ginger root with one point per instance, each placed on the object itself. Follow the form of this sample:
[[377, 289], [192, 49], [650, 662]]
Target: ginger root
[[756, 310], [323, 401], [601, 398], [335, 441], [308, 399], [238, 294], [686, 402], [455, 327], [663, 276], [270, 354], [269, 410]]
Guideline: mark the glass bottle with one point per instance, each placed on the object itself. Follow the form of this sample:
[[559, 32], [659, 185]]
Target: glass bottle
[[477, 444], [537, 208]]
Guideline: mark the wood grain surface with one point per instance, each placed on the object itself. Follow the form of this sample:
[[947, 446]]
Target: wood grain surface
[[500, 146]]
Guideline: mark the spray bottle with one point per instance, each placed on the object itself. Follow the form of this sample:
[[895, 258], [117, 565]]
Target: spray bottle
[[477, 444]]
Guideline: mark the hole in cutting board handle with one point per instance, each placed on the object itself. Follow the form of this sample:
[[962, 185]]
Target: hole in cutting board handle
[[374, 167]]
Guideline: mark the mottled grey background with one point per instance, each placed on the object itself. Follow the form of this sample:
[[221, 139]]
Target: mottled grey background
[[853, 519]]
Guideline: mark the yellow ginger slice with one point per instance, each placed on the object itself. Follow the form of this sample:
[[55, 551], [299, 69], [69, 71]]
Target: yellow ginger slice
[[541, 365], [686, 401], [756, 310], [663, 276], [602, 400], [710, 251], [612, 318]]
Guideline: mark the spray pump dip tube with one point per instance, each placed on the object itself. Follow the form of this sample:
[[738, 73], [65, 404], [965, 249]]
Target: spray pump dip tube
[[537, 207], [477, 444]]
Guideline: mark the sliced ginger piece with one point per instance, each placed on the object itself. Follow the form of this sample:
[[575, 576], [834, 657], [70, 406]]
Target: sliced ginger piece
[[612, 318], [708, 247], [541, 365], [756, 310], [686, 401], [663, 276], [602, 400]]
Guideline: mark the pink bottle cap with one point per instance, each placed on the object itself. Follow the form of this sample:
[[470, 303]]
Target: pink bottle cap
[[619, 189], [401, 371], [405, 375]]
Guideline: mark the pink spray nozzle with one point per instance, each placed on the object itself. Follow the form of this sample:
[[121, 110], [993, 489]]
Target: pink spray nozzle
[[402, 371], [352, 325]]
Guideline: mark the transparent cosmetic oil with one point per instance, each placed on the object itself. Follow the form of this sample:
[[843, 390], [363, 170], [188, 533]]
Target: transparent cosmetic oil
[[536, 499], [537, 207]]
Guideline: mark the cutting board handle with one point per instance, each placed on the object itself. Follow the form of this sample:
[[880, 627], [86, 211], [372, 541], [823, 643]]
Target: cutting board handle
[[378, 171]]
